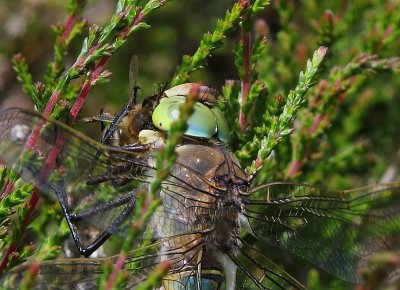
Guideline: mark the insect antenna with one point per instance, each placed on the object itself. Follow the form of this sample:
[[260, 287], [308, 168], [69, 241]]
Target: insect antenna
[[133, 76]]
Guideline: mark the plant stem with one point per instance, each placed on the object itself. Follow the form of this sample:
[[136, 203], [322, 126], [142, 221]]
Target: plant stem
[[76, 69], [282, 126], [246, 82], [148, 202]]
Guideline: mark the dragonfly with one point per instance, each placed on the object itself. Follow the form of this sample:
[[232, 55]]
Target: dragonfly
[[209, 204]]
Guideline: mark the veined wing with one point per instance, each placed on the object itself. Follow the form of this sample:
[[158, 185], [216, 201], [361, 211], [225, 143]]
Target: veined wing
[[85, 273], [336, 230], [95, 184], [255, 271]]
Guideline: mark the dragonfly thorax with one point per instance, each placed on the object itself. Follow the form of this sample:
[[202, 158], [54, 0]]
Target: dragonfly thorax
[[202, 205]]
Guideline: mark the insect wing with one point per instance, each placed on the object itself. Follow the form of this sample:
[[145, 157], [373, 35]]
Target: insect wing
[[337, 231], [93, 183], [97, 186], [255, 271], [86, 273]]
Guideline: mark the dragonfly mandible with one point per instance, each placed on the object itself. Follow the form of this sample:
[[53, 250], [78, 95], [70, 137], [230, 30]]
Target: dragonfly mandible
[[209, 204]]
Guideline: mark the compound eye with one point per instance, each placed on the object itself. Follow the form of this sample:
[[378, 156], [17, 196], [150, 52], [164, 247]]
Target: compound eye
[[243, 188], [201, 123], [222, 125]]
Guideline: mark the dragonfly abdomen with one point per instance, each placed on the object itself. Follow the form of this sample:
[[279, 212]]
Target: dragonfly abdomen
[[202, 214]]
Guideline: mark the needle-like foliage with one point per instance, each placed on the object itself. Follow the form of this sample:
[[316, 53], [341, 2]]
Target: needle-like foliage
[[310, 91]]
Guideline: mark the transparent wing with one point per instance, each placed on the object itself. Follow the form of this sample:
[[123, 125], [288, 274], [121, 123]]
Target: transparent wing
[[96, 185], [86, 273], [255, 271], [336, 230]]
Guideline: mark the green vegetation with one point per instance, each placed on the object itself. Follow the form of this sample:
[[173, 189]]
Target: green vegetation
[[310, 89]]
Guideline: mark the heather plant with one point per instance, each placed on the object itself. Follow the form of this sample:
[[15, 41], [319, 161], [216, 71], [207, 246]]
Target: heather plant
[[310, 91]]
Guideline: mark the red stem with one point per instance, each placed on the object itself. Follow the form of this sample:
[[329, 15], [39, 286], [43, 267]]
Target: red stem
[[69, 23], [243, 121], [97, 71], [258, 163], [11, 249], [33, 273], [119, 264], [34, 199], [7, 189], [32, 205], [31, 143], [294, 167], [33, 139], [86, 88], [314, 126], [13, 246], [296, 164], [114, 275]]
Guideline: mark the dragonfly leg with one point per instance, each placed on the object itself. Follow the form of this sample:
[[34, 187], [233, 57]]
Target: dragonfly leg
[[118, 175], [111, 229], [102, 207], [137, 147], [108, 133], [115, 173], [102, 117]]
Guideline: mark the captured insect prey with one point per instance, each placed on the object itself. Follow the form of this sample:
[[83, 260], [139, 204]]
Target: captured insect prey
[[210, 209]]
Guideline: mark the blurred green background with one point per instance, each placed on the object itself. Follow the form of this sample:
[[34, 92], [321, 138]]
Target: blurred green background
[[176, 30], [357, 145]]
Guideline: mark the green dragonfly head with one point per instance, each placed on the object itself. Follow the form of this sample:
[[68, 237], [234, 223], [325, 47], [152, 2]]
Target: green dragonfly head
[[207, 120]]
